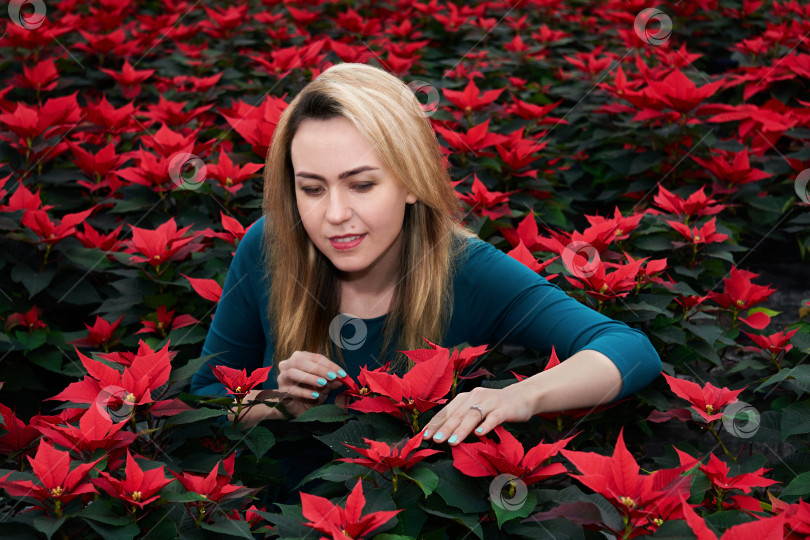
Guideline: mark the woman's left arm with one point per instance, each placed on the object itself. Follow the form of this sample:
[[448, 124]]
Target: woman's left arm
[[604, 359]]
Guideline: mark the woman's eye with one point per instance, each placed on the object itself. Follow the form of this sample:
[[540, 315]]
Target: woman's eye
[[364, 187], [310, 191]]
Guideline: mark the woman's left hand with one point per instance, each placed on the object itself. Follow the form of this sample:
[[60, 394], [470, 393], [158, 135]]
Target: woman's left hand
[[479, 411]]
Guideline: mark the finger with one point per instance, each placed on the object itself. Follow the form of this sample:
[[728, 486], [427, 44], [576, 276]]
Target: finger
[[469, 419], [319, 364], [299, 377], [491, 421]]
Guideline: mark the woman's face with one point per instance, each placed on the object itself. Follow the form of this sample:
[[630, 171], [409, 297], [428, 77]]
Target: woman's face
[[342, 188]]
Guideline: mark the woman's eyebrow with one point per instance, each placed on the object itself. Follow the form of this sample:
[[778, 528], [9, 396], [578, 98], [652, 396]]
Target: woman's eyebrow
[[341, 176]]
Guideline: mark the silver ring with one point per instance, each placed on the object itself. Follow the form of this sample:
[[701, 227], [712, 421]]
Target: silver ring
[[477, 407]]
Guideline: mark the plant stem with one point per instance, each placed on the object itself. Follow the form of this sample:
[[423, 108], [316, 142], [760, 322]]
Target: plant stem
[[710, 427]]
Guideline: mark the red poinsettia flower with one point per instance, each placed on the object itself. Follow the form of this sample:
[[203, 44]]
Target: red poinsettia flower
[[257, 124], [471, 98], [697, 204], [108, 243], [138, 487], [424, 386], [49, 232], [717, 473], [40, 77], [600, 284], [488, 458], [237, 382], [57, 481], [383, 457], [23, 199], [230, 176], [128, 78], [102, 334], [731, 168], [705, 234], [708, 400], [474, 140], [166, 321], [343, 523], [164, 244], [523, 255], [215, 487], [134, 386], [640, 499], [17, 436], [29, 319], [492, 204], [95, 431], [774, 345], [739, 292], [171, 113]]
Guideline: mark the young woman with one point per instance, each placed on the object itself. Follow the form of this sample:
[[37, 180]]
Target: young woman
[[361, 232]]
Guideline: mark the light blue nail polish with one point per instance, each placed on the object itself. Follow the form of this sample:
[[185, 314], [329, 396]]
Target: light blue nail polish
[[331, 375], [321, 381], [427, 433], [452, 439], [315, 395], [341, 373], [479, 430], [439, 436]]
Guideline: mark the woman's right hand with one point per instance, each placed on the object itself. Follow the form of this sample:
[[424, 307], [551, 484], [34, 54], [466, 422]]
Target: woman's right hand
[[306, 379]]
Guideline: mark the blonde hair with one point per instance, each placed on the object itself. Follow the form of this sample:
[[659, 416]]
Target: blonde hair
[[305, 294]]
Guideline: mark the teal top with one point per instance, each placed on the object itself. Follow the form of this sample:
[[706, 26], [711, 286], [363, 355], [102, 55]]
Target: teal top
[[497, 300]]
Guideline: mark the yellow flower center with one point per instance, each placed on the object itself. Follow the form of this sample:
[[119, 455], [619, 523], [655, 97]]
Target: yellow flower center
[[658, 522], [57, 492], [709, 409], [619, 232], [627, 501], [697, 238], [603, 288], [131, 398], [740, 303], [136, 495], [157, 257], [228, 181], [363, 391], [238, 389]]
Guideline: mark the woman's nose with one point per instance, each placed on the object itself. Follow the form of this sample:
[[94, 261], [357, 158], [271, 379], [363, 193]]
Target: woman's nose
[[338, 208]]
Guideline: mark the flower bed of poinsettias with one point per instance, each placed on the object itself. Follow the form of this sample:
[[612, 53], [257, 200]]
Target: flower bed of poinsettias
[[640, 156]]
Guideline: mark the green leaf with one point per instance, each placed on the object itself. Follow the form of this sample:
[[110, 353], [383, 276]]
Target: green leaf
[[31, 341], [101, 511], [89, 258], [458, 490], [468, 520], [800, 373], [796, 420], [33, 281], [798, 487], [187, 417], [230, 527], [191, 367], [521, 510], [424, 478], [323, 413], [259, 440], [47, 525], [336, 471]]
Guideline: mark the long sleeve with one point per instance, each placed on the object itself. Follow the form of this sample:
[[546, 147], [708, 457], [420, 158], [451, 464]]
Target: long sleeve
[[237, 333], [506, 302]]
